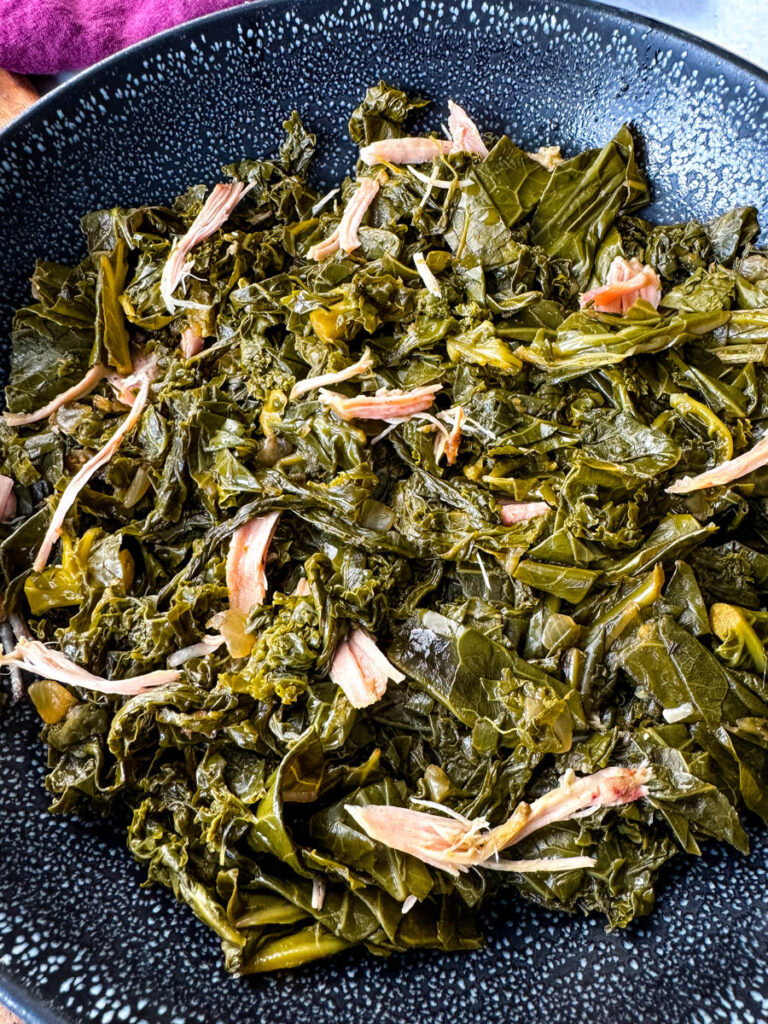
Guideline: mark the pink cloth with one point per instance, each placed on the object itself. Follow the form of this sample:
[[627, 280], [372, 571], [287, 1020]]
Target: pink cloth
[[41, 37]]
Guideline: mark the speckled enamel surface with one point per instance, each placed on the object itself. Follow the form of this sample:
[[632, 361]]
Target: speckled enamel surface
[[75, 929]]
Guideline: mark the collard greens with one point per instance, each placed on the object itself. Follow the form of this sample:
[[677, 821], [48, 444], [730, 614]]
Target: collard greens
[[618, 624]]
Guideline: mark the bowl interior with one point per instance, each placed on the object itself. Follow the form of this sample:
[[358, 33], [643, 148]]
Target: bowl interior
[[75, 929]]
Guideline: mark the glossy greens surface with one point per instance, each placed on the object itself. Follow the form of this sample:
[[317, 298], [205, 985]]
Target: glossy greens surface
[[624, 626]]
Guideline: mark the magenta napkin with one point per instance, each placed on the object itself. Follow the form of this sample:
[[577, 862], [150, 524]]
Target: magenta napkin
[[42, 37]]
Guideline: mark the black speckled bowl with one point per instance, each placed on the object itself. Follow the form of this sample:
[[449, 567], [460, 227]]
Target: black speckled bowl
[[79, 941]]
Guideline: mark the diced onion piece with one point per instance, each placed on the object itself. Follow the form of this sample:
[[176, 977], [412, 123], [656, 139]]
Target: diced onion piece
[[318, 894], [232, 624], [548, 156], [678, 714], [408, 904], [430, 281], [137, 488], [52, 700]]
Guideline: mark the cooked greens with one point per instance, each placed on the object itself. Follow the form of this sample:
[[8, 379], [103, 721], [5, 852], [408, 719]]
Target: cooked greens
[[347, 534]]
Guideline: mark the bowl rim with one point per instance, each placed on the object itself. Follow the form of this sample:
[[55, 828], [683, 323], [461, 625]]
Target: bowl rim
[[21, 1001], [244, 10]]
